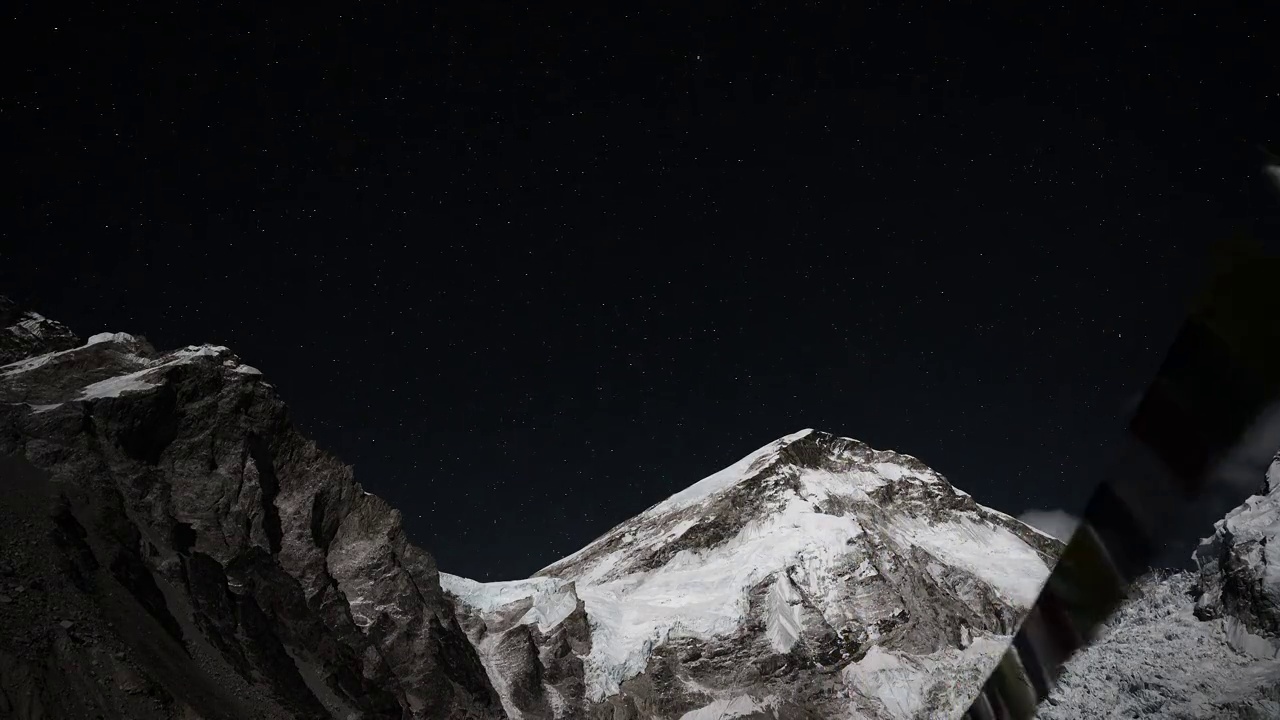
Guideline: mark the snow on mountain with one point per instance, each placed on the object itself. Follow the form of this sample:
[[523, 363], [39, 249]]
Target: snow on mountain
[[814, 575], [552, 600], [1203, 644], [26, 333], [1155, 660]]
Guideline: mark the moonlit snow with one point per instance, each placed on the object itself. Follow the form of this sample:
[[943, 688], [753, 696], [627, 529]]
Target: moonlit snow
[[795, 549]]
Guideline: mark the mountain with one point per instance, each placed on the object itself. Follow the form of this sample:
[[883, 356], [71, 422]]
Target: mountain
[[25, 333], [174, 548], [1202, 645], [815, 578]]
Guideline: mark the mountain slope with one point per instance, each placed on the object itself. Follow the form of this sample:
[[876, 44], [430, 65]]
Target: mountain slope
[[1239, 571], [816, 577], [174, 548], [1157, 661], [1196, 645]]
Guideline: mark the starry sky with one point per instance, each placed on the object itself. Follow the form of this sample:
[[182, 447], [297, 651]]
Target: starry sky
[[533, 269]]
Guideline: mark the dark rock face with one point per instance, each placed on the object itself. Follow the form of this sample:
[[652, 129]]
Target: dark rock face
[[1239, 571], [23, 334], [176, 549]]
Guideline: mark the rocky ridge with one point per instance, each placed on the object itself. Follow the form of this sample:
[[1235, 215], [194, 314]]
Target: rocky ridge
[[174, 548]]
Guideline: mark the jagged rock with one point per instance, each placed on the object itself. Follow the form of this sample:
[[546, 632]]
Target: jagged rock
[[815, 578], [174, 512], [1239, 571], [25, 333]]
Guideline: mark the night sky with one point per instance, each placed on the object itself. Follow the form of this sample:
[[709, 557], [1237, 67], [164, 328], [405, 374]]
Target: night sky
[[531, 270]]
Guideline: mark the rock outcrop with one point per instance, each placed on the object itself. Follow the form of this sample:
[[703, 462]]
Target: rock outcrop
[[25, 333], [1239, 571], [174, 548]]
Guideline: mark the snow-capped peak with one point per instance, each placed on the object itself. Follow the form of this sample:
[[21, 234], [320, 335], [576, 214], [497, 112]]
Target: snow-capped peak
[[727, 477], [795, 436], [827, 546]]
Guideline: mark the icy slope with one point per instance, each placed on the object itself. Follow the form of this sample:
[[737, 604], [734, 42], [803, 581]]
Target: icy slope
[[1155, 660], [816, 574]]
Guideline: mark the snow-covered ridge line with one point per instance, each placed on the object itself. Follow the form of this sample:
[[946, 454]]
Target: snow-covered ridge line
[[31, 363], [136, 380], [705, 487], [105, 337], [553, 600], [719, 481]]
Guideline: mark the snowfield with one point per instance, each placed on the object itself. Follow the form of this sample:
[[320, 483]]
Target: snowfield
[[1155, 659]]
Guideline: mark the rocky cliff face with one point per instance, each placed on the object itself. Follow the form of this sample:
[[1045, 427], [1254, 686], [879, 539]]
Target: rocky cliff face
[[24, 333], [1239, 577], [815, 578], [174, 548]]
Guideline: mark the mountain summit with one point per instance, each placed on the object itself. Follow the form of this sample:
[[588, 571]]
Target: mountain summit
[[815, 577]]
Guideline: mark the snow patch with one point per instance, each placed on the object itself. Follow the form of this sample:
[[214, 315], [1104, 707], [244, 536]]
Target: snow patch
[[37, 409], [904, 683], [108, 337], [681, 528], [29, 364], [992, 553], [116, 386], [890, 678], [192, 351], [820, 485], [33, 324], [142, 379], [735, 707], [553, 599], [783, 623], [704, 594]]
